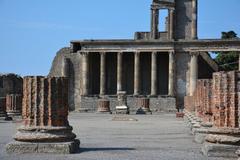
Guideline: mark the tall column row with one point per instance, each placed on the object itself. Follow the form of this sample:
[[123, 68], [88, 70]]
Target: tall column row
[[137, 73]]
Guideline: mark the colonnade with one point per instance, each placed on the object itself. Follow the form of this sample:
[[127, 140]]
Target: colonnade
[[137, 73]]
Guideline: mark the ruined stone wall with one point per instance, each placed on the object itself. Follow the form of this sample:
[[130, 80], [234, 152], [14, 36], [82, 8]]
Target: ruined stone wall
[[73, 73], [10, 84], [160, 104], [183, 19]]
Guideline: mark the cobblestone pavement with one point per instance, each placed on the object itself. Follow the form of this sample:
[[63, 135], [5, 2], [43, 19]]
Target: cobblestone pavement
[[151, 137]]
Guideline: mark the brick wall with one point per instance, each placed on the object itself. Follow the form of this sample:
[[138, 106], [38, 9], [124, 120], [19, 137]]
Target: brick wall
[[216, 100]]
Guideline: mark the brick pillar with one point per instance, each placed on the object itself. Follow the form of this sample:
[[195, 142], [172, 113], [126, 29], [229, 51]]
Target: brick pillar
[[223, 139], [14, 104], [45, 118]]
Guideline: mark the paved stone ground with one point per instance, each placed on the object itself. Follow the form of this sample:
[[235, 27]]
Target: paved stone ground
[[152, 137]]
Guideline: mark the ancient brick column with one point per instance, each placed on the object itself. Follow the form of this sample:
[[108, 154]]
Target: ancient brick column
[[14, 104], [45, 127], [224, 138], [103, 106], [144, 106]]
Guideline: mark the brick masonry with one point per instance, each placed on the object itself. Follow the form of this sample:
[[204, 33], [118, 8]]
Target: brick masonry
[[216, 100], [45, 118]]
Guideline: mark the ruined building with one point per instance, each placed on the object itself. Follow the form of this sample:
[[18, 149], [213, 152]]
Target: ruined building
[[161, 65]]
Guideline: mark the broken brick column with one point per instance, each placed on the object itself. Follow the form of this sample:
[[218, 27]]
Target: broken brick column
[[223, 138], [104, 106], [45, 127], [14, 104]]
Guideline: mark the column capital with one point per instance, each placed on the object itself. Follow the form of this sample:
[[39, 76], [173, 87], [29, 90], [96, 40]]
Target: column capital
[[83, 53], [137, 53], [172, 52], [195, 53], [154, 52], [102, 53], [120, 52]]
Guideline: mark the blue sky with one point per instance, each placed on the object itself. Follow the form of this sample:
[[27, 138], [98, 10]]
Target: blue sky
[[32, 31]]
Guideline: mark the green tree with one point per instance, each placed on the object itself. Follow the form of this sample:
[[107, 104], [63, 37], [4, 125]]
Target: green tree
[[227, 60]]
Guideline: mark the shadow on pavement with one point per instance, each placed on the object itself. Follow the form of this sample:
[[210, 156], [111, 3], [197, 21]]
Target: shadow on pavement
[[103, 149]]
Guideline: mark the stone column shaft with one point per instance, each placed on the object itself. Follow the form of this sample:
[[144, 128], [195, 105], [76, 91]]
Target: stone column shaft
[[137, 78], [119, 71], [85, 74], [171, 24], [154, 23], [171, 74], [103, 74], [193, 72], [194, 17], [239, 62], [154, 74]]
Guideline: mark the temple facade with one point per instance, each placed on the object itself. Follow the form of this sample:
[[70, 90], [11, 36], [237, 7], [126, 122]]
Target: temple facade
[[161, 65]]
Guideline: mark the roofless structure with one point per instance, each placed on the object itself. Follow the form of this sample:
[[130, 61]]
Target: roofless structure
[[161, 65]]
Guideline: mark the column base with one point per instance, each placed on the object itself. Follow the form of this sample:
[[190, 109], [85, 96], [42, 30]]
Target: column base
[[104, 112], [122, 110], [219, 150], [59, 148], [144, 111], [17, 113]]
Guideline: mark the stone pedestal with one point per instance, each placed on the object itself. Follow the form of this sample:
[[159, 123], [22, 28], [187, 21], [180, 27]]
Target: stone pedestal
[[122, 107], [45, 127], [14, 104], [144, 106], [104, 106], [221, 142]]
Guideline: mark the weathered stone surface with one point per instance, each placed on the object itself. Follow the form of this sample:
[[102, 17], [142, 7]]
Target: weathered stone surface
[[219, 150], [59, 148], [10, 84], [122, 107], [45, 118], [14, 104]]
